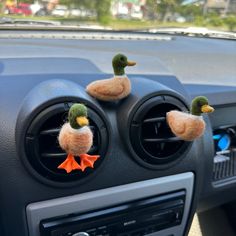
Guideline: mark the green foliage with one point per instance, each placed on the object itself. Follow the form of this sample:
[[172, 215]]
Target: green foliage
[[66, 2], [2, 6], [26, 1], [166, 7], [103, 11], [101, 7], [87, 4], [200, 21], [215, 20], [151, 6], [193, 13], [189, 11], [209, 20], [169, 7], [159, 12], [230, 22]]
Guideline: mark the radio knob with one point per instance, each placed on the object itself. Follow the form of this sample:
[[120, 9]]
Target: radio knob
[[80, 234]]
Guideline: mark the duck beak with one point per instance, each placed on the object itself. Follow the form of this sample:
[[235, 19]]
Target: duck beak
[[207, 109], [131, 63], [82, 121]]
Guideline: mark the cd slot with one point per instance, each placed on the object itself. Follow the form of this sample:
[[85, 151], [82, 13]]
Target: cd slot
[[134, 218]]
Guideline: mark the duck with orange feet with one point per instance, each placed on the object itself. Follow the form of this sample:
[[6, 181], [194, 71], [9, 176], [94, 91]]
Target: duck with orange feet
[[76, 139]]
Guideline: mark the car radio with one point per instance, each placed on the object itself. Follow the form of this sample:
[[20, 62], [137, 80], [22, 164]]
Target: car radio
[[135, 218]]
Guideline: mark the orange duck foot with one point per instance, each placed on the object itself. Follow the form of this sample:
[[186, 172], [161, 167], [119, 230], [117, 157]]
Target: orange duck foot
[[69, 164], [87, 161]]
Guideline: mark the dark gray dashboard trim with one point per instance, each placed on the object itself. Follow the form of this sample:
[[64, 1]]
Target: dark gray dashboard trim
[[112, 196]]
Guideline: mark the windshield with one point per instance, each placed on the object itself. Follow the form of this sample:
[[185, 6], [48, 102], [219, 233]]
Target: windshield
[[163, 16]]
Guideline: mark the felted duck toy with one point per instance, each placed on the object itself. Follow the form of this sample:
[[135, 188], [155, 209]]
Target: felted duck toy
[[76, 139], [115, 88], [189, 126]]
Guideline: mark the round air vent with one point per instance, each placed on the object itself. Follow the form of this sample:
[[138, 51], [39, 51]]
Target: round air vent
[[43, 150], [150, 135]]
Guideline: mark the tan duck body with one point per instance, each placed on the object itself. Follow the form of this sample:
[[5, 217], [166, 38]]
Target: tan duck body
[[189, 126], [186, 126], [75, 141], [112, 89], [115, 88]]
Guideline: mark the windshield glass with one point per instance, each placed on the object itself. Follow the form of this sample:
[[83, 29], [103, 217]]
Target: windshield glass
[[163, 16]]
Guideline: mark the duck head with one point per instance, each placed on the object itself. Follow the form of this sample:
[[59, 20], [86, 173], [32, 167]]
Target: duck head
[[78, 116], [200, 105], [119, 62]]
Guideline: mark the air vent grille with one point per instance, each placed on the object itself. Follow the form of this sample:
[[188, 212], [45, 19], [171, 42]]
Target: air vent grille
[[224, 162], [43, 150], [150, 134], [224, 166]]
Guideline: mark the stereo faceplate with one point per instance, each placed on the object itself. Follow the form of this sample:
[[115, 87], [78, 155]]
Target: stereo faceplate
[[135, 218], [81, 204]]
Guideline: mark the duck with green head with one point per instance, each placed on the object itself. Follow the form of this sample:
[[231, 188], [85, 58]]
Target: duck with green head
[[76, 139], [189, 126], [115, 88]]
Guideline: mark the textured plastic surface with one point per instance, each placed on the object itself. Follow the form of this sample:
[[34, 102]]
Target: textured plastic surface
[[117, 168], [223, 99], [26, 63], [96, 200]]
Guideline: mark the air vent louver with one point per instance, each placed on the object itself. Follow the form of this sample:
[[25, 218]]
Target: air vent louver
[[43, 150], [224, 162], [224, 166], [150, 135]]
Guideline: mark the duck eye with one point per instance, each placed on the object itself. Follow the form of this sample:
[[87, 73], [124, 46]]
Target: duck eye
[[122, 58], [199, 103]]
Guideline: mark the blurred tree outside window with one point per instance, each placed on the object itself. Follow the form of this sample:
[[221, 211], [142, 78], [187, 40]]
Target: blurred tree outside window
[[216, 14]]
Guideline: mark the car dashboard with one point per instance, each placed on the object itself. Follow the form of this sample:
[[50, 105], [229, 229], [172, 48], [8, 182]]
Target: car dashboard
[[142, 165]]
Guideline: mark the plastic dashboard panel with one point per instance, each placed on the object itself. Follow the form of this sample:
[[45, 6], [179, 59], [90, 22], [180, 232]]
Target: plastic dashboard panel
[[223, 98], [65, 67], [29, 98], [112, 196]]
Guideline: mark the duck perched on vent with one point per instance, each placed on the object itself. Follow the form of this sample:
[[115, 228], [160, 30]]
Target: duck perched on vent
[[76, 139], [114, 88], [189, 126]]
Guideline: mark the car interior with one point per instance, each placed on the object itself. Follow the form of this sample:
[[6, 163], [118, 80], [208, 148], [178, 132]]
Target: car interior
[[146, 181]]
